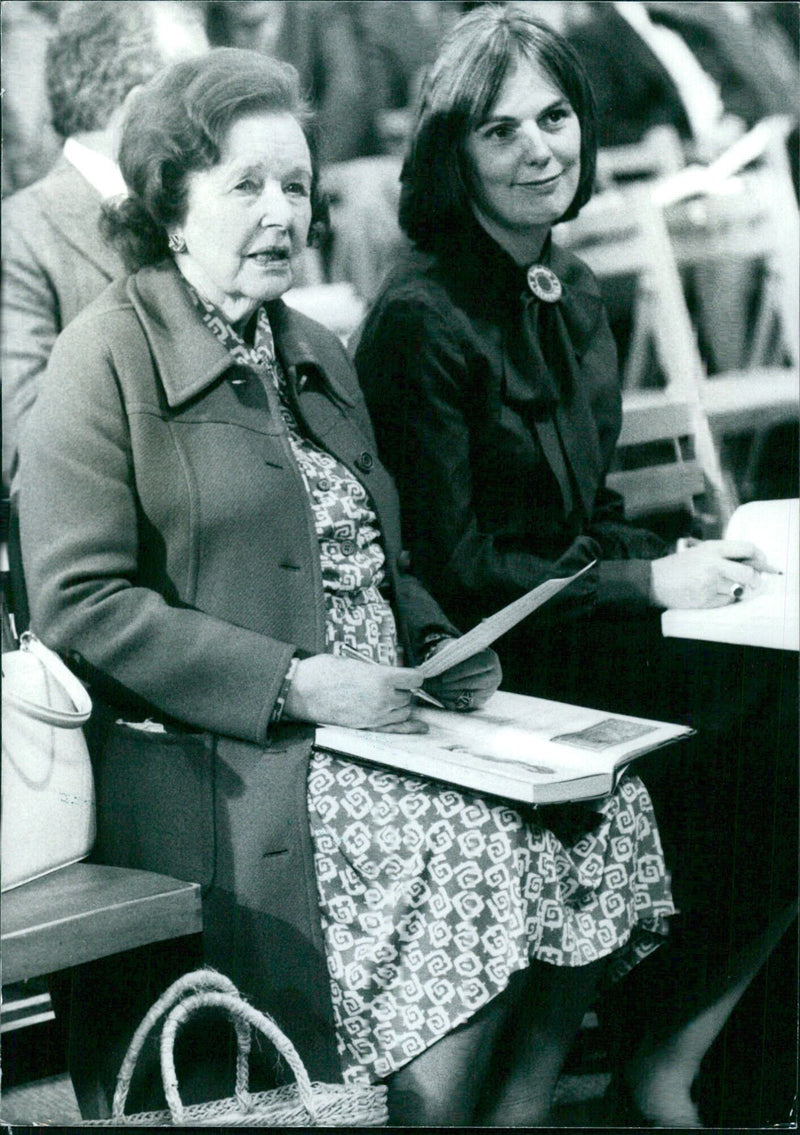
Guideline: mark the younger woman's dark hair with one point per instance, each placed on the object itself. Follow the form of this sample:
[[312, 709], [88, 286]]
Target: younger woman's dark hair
[[177, 124], [459, 92]]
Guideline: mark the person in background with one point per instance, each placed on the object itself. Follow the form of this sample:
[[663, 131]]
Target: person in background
[[491, 376], [30, 145], [54, 259], [209, 542], [348, 80]]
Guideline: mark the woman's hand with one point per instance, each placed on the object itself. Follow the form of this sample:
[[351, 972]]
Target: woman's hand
[[706, 574], [470, 684], [336, 691]]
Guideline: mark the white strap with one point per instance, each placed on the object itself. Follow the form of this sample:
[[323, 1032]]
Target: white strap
[[67, 719]]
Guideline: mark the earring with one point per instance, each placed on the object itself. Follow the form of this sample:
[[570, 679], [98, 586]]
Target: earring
[[176, 243]]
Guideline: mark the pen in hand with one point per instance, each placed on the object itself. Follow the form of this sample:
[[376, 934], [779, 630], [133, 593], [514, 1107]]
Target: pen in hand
[[423, 695], [757, 562]]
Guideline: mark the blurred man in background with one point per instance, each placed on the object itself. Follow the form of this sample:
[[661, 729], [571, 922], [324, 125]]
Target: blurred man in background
[[54, 259]]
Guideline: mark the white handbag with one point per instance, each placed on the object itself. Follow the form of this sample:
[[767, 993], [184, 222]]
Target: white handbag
[[48, 807]]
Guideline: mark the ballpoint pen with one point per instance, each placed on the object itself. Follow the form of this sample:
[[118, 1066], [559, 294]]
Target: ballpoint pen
[[423, 695]]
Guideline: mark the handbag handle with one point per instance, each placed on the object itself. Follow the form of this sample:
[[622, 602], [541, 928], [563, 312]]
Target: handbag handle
[[242, 1013], [65, 718], [190, 983]]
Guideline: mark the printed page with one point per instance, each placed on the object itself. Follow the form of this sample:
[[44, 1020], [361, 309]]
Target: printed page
[[487, 631], [518, 746]]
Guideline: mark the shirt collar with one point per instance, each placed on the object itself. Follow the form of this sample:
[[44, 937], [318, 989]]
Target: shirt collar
[[101, 172]]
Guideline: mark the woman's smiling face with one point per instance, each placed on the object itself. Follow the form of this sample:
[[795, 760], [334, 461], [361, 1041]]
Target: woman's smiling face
[[248, 217], [524, 158]]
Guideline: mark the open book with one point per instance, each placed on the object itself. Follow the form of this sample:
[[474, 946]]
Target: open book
[[769, 616], [520, 748]]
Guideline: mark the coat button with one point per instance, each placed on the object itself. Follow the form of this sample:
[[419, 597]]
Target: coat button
[[348, 548], [365, 461], [323, 484], [404, 562]]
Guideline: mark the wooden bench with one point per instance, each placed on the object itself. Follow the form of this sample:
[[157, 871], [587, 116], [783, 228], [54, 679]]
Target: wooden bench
[[99, 934], [88, 911]]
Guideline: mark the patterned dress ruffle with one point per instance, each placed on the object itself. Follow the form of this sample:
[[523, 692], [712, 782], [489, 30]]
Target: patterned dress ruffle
[[432, 897]]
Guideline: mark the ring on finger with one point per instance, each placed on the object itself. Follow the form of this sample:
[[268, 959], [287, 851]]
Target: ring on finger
[[736, 591], [464, 700]]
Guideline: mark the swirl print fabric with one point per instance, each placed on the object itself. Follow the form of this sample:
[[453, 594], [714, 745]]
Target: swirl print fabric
[[432, 897]]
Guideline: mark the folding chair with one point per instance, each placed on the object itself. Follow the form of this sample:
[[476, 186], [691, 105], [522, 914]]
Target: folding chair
[[752, 217], [667, 457]]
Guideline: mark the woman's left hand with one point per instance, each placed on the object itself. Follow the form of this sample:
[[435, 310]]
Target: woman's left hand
[[470, 684]]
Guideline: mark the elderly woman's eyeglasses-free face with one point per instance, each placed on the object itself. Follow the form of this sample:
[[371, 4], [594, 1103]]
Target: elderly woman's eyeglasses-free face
[[248, 217]]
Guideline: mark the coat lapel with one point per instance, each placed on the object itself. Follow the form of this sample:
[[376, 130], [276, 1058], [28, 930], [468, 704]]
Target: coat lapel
[[190, 360]]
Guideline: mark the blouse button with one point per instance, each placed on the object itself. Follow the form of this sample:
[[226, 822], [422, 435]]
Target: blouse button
[[348, 548], [404, 561], [365, 461]]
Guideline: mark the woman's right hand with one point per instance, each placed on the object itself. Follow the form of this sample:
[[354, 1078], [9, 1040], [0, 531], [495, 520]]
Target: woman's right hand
[[705, 575], [336, 691]]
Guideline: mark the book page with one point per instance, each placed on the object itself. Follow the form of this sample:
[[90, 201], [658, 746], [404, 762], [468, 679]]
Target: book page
[[523, 747], [534, 731], [489, 630]]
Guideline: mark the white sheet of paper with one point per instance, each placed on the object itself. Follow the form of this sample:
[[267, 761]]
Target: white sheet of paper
[[487, 631]]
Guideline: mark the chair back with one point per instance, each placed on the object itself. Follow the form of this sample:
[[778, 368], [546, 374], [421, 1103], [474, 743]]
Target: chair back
[[752, 217], [735, 233], [666, 457]]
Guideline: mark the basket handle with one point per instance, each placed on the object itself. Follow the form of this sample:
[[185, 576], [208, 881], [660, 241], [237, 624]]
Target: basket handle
[[245, 1017], [66, 719], [187, 985]]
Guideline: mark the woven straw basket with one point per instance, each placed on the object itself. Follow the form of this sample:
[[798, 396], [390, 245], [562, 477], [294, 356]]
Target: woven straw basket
[[301, 1104]]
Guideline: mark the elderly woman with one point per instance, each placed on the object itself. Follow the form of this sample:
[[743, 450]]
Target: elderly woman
[[491, 375], [209, 535]]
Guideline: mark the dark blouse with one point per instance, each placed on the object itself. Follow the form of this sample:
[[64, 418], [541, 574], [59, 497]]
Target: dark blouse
[[498, 415]]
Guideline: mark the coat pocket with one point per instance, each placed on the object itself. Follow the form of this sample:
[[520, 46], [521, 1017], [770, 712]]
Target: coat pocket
[[155, 802]]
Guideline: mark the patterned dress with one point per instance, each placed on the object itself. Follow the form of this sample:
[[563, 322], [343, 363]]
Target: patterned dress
[[432, 897]]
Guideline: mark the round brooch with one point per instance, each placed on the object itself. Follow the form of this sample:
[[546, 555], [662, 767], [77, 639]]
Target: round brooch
[[544, 283]]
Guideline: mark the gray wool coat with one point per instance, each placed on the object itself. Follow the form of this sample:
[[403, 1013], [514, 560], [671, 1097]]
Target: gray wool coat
[[171, 555]]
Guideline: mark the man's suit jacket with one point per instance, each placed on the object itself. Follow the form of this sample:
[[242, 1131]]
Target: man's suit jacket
[[55, 262]]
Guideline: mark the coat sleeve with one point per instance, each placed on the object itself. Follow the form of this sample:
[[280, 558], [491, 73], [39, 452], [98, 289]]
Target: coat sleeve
[[79, 530], [30, 323], [416, 370]]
